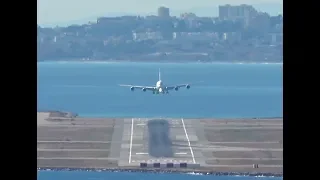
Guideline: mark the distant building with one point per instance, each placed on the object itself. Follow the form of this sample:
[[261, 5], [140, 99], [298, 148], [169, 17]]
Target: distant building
[[274, 38], [188, 16], [224, 11], [195, 36], [232, 36], [163, 12], [278, 28], [146, 36], [241, 12], [106, 20], [261, 22]]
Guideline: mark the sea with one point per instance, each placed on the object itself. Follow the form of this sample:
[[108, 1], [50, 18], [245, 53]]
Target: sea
[[218, 90]]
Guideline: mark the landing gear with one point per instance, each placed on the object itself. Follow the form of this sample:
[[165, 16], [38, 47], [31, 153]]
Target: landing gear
[[155, 92]]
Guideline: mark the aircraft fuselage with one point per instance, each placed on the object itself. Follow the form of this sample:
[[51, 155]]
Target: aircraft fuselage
[[160, 88]]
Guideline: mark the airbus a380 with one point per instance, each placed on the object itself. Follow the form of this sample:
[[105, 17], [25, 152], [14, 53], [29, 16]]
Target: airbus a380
[[160, 88]]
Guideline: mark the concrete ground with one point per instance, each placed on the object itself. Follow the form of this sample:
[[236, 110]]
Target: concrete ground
[[238, 144], [219, 145], [78, 142]]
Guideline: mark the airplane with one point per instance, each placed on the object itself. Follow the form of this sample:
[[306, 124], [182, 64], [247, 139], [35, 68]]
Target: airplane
[[160, 88]]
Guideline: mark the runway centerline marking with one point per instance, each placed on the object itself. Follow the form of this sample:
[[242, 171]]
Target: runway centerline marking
[[131, 134], [141, 153], [189, 144]]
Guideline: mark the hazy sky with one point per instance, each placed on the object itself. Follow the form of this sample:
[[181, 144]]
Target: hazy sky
[[52, 11]]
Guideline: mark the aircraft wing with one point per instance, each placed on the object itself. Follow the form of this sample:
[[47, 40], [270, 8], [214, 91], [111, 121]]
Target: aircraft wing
[[181, 85], [177, 86], [151, 88]]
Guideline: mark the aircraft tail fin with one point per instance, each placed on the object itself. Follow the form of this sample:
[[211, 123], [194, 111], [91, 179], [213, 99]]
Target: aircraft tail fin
[[159, 75]]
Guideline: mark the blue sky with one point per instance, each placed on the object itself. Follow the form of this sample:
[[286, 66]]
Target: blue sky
[[59, 11]]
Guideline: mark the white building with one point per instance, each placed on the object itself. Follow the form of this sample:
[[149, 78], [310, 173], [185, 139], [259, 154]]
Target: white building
[[232, 36], [274, 38], [196, 36], [147, 36]]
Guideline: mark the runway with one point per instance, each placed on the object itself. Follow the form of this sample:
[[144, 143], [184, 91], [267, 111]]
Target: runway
[[212, 144], [157, 140]]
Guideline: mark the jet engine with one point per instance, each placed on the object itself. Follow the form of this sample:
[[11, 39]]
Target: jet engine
[[188, 86], [176, 88], [144, 89], [132, 88]]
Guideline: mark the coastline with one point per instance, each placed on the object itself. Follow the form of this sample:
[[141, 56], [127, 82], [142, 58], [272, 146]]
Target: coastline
[[167, 171], [74, 115], [155, 62]]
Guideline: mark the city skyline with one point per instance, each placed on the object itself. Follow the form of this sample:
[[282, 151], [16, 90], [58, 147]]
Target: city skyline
[[51, 13]]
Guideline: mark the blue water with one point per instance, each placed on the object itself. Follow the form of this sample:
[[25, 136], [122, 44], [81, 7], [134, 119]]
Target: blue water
[[90, 89], [69, 175], [227, 90]]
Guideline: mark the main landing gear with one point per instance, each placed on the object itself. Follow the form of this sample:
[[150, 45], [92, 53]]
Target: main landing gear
[[157, 92]]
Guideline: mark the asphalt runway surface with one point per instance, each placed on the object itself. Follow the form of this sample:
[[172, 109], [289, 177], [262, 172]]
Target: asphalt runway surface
[[159, 141]]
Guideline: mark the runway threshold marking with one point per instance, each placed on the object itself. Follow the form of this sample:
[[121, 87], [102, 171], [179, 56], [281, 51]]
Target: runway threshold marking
[[181, 153], [141, 124], [189, 144], [131, 135]]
